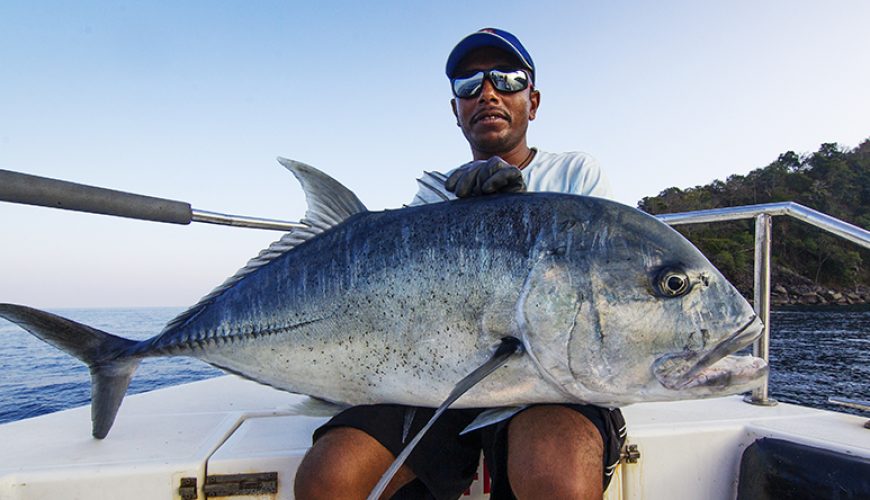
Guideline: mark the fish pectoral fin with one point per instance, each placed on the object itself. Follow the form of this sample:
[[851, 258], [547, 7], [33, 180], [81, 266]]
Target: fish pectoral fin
[[492, 416], [508, 347]]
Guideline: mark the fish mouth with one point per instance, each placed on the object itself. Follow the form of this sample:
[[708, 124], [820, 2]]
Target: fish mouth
[[716, 368]]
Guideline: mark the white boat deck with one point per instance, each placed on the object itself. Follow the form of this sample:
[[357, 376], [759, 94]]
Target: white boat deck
[[227, 425]]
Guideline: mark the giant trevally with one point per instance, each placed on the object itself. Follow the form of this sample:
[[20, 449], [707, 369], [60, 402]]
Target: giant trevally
[[611, 306]]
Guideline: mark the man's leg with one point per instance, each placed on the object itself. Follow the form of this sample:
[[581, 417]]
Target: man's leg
[[352, 451], [346, 463], [556, 452]]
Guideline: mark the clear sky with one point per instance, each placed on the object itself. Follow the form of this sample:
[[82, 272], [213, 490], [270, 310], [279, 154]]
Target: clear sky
[[194, 100]]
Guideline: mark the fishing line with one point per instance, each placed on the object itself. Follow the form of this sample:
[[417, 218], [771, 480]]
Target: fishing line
[[508, 347]]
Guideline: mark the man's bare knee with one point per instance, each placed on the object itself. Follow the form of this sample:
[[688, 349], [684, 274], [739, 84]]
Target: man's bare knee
[[345, 463], [557, 450]]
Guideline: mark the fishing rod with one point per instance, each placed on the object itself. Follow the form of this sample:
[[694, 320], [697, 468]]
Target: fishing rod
[[27, 189]]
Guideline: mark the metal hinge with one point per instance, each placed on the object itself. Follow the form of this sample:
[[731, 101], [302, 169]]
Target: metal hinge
[[187, 488], [241, 484], [630, 454], [228, 485]]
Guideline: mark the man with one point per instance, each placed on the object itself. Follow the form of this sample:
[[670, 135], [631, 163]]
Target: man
[[552, 451]]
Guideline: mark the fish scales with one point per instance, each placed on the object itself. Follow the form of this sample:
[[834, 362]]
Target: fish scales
[[610, 305], [405, 303]]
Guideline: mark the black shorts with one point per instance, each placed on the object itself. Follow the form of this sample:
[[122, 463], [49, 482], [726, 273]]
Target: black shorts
[[445, 462]]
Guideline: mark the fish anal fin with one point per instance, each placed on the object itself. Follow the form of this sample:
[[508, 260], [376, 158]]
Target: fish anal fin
[[316, 407], [492, 416], [410, 413]]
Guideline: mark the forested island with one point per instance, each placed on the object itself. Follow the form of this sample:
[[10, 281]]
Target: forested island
[[810, 267]]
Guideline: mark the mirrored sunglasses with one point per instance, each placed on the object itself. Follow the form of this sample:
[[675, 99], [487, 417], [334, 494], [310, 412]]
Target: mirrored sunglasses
[[503, 81]]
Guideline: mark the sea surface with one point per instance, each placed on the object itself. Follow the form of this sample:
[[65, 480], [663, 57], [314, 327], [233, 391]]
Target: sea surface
[[813, 355]]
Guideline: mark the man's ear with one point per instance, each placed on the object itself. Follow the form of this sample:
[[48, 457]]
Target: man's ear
[[455, 113], [534, 102]]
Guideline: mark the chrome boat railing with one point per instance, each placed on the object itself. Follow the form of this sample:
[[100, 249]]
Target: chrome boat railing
[[763, 215]]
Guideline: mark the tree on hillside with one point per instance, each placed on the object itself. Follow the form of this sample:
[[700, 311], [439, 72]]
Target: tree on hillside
[[832, 180]]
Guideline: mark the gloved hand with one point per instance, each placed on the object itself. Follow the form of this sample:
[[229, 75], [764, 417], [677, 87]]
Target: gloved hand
[[482, 177]]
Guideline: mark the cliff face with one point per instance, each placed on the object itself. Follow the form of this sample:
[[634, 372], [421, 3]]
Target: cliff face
[[810, 266]]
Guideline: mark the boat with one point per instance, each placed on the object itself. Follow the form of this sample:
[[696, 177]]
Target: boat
[[231, 438]]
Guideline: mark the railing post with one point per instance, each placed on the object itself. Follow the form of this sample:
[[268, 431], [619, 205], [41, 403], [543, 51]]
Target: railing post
[[761, 349]]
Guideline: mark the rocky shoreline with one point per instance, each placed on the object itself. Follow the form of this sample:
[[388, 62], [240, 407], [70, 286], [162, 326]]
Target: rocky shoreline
[[813, 295]]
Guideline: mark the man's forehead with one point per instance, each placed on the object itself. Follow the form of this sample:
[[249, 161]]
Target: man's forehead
[[488, 57]]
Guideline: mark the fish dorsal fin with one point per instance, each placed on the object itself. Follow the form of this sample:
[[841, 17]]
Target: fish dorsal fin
[[329, 203], [431, 189]]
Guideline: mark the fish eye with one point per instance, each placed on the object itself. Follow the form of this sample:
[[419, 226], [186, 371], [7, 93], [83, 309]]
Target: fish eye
[[672, 282]]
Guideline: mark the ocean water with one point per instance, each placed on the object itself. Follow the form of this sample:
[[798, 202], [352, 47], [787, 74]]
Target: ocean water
[[36, 378], [814, 355], [819, 354]]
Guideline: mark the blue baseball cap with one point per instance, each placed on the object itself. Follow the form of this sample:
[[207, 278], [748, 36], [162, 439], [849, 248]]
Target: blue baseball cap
[[489, 37]]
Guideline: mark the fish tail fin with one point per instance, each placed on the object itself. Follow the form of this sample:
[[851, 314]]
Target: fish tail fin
[[104, 353]]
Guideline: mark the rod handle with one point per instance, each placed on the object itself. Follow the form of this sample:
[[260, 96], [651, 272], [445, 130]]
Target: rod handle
[[16, 187]]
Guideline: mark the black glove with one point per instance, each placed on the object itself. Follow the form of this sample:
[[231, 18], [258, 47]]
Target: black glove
[[482, 177]]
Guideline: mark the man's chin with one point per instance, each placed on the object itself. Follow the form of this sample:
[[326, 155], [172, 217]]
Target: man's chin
[[491, 143]]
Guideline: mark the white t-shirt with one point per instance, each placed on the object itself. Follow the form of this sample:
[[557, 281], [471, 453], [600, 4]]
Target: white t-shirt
[[574, 172]]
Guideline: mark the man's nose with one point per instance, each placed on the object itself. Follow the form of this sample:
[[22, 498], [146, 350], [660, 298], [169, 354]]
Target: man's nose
[[488, 91]]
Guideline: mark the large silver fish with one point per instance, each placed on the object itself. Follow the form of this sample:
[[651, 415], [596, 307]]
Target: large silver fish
[[611, 307]]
